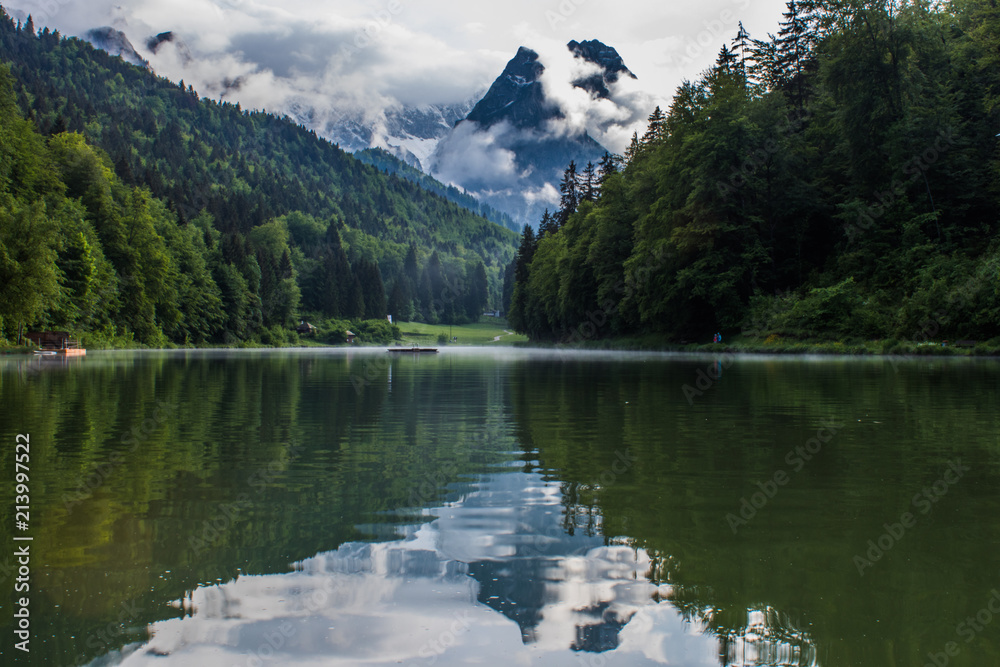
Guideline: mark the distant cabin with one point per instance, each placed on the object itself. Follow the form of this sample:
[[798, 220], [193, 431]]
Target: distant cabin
[[52, 340], [350, 336], [306, 329]]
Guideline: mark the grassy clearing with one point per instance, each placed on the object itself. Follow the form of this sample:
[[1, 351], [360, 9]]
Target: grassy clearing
[[482, 332]]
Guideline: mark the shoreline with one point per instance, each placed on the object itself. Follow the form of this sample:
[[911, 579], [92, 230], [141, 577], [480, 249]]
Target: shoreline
[[831, 348]]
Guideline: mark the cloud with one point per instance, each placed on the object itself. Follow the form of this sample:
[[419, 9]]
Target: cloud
[[478, 159], [408, 44]]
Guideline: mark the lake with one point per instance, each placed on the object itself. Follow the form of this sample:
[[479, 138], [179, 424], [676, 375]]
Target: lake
[[503, 506]]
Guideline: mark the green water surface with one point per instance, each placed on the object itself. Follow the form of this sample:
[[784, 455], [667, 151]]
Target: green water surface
[[350, 507]]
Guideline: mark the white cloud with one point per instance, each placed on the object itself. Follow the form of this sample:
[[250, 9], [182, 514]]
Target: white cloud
[[477, 158], [434, 51]]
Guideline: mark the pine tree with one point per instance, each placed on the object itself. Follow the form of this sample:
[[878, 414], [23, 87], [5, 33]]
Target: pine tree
[[569, 189], [741, 48], [656, 129], [508, 285], [399, 302], [525, 253], [726, 60], [589, 183], [522, 268], [766, 70], [356, 300], [477, 291], [608, 166], [633, 149], [795, 45], [411, 271], [29, 26], [369, 277], [547, 225]]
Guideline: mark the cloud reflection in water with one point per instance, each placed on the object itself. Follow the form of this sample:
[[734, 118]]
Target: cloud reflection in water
[[432, 597]]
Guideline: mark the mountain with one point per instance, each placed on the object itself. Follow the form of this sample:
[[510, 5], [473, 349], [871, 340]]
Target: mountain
[[115, 43], [180, 219], [513, 147], [506, 148], [408, 132], [389, 163], [516, 96], [611, 64]]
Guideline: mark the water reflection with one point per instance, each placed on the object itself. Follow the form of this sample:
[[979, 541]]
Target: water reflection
[[580, 506], [490, 578]]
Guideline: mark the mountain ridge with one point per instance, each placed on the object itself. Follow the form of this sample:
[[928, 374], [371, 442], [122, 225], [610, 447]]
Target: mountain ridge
[[273, 210]]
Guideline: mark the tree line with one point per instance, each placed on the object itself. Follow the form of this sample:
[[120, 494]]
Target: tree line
[[133, 212], [836, 180]]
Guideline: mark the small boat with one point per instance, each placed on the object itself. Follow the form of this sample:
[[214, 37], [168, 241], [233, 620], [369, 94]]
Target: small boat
[[413, 350]]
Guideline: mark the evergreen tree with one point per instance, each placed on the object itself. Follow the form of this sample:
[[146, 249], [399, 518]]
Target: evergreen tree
[[796, 42], [411, 270], [522, 265], [547, 225], [477, 293], [608, 167], [369, 277], [633, 149], [727, 60], [742, 48], [508, 285], [656, 130], [590, 184], [399, 304], [569, 190]]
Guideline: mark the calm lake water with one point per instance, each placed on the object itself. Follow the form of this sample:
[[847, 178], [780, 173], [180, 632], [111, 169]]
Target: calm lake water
[[504, 507]]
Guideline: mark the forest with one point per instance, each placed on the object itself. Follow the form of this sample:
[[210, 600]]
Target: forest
[[134, 213], [838, 181]]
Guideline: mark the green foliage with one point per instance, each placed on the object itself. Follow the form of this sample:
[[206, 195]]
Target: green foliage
[[375, 331], [848, 167], [151, 217]]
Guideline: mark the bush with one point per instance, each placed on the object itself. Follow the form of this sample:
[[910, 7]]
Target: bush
[[108, 338], [376, 331], [278, 336], [332, 331]]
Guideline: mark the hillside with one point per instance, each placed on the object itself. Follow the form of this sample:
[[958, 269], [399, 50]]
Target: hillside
[[288, 224], [840, 181], [389, 163]]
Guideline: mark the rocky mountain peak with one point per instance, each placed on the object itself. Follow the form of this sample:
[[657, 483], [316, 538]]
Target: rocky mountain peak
[[611, 64], [115, 43], [516, 95]]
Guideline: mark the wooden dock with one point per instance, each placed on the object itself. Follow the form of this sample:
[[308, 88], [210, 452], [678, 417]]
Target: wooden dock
[[56, 342]]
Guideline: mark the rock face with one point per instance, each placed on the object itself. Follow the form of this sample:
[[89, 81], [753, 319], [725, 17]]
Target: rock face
[[154, 43], [609, 61], [116, 43], [511, 149], [516, 96]]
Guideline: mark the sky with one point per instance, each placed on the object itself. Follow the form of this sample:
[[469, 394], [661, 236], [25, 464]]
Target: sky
[[368, 56]]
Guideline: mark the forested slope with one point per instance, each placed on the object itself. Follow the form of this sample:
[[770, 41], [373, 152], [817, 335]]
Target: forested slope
[[839, 180], [162, 217]]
